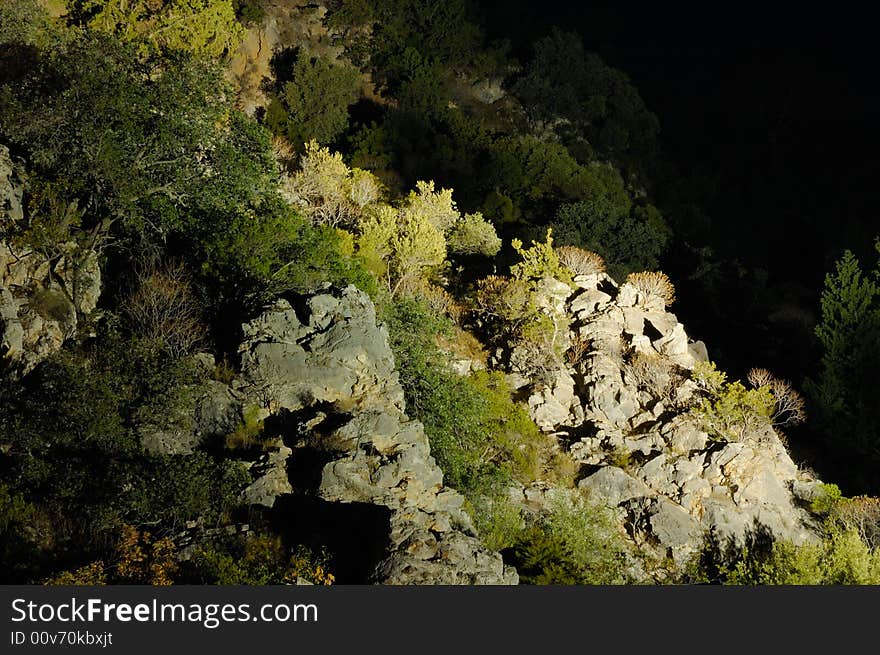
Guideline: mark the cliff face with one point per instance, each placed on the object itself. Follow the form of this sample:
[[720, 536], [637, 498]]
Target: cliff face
[[43, 294], [620, 407], [323, 376]]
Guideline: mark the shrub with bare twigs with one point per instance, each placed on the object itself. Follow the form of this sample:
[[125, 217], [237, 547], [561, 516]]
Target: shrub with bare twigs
[[284, 153], [163, 308], [862, 514], [653, 283], [657, 375], [759, 377], [436, 297], [790, 407], [580, 261], [578, 349]]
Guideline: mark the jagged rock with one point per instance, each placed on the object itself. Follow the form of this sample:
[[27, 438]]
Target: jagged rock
[[11, 189], [217, 410], [689, 486], [589, 301], [698, 352], [326, 368], [270, 477], [686, 437], [40, 298], [674, 343], [613, 486], [210, 409], [676, 530], [556, 404], [336, 354], [457, 558], [627, 295]]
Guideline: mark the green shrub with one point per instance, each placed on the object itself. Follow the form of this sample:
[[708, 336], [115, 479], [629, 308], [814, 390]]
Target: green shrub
[[828, 496], [538, 262], [259, 559], [841, 557], [478, 435], [578, 543], [314, 105], [630, 238], [203, 27], [498, 520], [727, 410]]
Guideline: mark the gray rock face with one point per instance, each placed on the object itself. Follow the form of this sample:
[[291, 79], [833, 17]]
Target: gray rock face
[[614, 486], [626, 400], [11, 189], [41, 299], [326, 367], [335, 354], [210, 410]]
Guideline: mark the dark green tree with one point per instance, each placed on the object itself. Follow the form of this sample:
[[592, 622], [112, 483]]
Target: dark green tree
[[314, 104], [594, 107], [630, 238], [844, 392]]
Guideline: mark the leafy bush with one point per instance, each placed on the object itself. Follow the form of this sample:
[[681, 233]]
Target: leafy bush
[[728, 410], [74, 449], [179, 160], [578, 543], [314, 104], [840, 557], [204, 27], [473, 235], [478, 435], [630, 238], [598, 105], [25, 536], [538, 262], [258, 559], [499, 522], [406, 243]]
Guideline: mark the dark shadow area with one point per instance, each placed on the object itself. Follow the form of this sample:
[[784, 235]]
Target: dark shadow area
[[282, 65], [304, 468], [355, 534]]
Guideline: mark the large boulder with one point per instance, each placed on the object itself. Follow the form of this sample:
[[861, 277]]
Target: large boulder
[[323, 372]]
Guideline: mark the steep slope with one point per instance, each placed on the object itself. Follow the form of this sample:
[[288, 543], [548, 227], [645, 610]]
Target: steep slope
[[323, 376], [621, 406]]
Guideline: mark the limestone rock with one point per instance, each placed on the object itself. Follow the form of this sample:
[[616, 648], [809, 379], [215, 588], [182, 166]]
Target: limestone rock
[[683, 485], [270, 477], [41, 300], [11, 189], [613, 486], [324, 371], [336, 354]]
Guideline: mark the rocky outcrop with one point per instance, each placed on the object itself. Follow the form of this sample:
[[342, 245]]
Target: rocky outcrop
[[324, 376], [42, 297], [620, 408]]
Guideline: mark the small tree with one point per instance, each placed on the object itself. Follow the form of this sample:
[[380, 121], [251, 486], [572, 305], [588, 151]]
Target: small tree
[[843, 393], [164, 309], [314, 105]]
